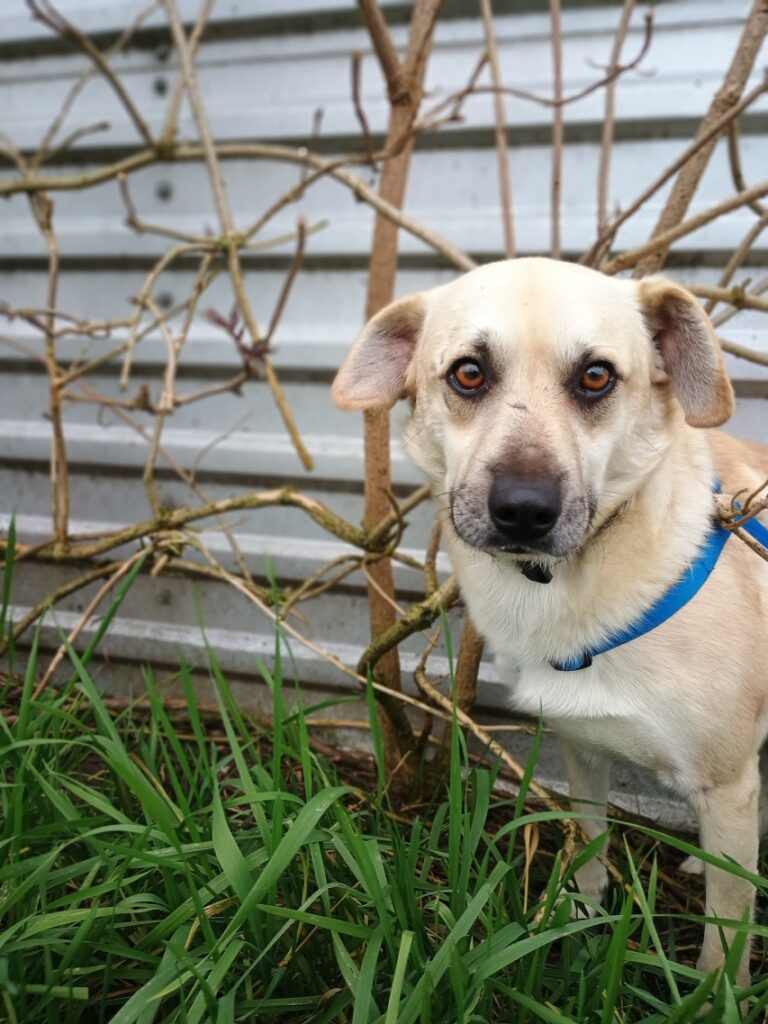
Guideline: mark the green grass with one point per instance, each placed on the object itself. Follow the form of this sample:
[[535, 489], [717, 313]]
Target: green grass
[[154, 869]]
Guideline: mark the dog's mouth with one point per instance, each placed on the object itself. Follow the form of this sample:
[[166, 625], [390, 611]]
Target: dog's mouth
[[519, 549], [547, 551], [566, 535]]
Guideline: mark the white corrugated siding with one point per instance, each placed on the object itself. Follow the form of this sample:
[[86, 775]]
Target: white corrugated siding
[[268, 65]]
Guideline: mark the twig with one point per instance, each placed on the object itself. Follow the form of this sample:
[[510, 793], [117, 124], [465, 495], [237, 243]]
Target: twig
[[170, 125], [382, 44], [434, 117], [430, 558], [351, 563], [734, 160], [606, 143], [419, 616], [91, 607], [736, 516], [44, 150], [587, 90], [382, 692], [78, 370], [50, 599], [738, 256], [604, 241], [288, 280], [726, 99], [752, 544], [188, 477], [314, 135], [738, 513], [557, 123], [75, 136], [209, 447], [246, 150], [169, 257], [468, 665], [731, 311], [741, 352], [42, 208], [357, 58], [167, 399], [142, 227], [173, 519], [500, 117], [735, 296], [44, 11], [227, 223], [663, 241]]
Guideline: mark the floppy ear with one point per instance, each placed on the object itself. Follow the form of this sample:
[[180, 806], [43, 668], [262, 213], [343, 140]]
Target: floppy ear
[[376, 371], [691, 359]]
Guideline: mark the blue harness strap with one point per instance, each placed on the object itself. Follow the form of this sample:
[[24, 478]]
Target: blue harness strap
[[675, 598]]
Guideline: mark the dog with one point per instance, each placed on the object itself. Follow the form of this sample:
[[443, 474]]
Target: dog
[[562, 418]]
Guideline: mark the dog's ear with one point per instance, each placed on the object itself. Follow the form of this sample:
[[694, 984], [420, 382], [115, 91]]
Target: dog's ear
[[376, 371], [689, 355]]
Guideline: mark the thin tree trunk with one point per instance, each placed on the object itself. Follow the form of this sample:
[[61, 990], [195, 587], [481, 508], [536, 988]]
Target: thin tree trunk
[[404, 83]]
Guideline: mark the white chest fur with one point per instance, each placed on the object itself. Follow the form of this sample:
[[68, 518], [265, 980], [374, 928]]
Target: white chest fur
[[619, 709], [634, 703]]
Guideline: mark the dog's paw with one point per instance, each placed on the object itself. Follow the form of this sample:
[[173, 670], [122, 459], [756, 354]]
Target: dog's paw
[[693, 866], [592, 878]]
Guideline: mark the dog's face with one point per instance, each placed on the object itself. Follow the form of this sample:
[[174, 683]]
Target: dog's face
[[542, 394]]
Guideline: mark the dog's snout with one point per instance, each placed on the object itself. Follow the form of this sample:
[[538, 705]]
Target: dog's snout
[[524, 510]]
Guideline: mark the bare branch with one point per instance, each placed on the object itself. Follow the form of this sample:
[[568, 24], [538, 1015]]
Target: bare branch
[[736, 296], [44, 11], [386, 53], [45, 150], [738, 257], [360, 111], [565, 100], [227, 224], [502, 154], [604, 169], [741, 352], [82, 622], [663, 241], [725, 100], [170, 126], [601, 245], [734, 160], [557, 124], [285, 291]]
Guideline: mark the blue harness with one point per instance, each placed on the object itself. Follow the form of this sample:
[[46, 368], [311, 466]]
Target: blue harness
[[675, 598]]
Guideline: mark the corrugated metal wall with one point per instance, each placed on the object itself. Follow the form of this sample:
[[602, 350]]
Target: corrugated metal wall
[[265, 68]]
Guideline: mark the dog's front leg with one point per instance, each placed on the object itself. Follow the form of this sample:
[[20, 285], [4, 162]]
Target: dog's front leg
[[588, 777], [728, 822]]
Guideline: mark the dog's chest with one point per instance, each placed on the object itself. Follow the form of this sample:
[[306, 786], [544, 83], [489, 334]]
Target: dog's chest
[[618, 714], [621, 707]]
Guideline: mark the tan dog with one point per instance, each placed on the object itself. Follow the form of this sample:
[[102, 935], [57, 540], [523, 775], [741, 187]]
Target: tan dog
[[558, 415]]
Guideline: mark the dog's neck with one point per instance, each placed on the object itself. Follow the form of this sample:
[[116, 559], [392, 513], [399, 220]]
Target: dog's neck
[[666, 516]]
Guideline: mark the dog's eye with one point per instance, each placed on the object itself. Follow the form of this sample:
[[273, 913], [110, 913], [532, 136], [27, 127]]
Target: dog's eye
[[466, 377], [596, 380]]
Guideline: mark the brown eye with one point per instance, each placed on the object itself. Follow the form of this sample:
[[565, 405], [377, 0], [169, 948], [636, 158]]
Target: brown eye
[[596, 379], [466, 377]]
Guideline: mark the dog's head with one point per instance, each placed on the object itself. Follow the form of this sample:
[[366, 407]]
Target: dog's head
[[542, 394]]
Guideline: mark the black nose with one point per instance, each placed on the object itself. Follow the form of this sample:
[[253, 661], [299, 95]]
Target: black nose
[[524, 510]]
